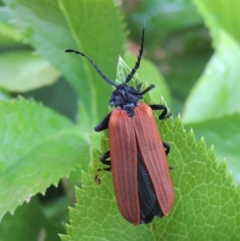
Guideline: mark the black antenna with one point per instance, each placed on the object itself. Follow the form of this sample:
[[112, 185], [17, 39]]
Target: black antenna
[[94, 64], [129, 77]]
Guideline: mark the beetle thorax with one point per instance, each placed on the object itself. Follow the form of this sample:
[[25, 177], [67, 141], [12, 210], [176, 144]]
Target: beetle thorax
[[125, 97]]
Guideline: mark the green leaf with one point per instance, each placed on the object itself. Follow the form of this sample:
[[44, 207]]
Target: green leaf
[[9, 34], [224, 134], [46, 147], [52, 97], [52, 27], [206, 200], [22, 71], [27, 222], [217, 92], [223, 15], [163, 16], [4, 95], [183, 72]]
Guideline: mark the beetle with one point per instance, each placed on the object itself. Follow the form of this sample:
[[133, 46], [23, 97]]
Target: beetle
[[140, 171]]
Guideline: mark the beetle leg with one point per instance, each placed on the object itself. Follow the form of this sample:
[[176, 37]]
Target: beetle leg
[[104, 160], [164, 114], [167, 147], [103, 125]]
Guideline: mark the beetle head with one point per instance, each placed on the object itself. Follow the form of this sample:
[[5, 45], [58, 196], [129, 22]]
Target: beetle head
[[125, 95]]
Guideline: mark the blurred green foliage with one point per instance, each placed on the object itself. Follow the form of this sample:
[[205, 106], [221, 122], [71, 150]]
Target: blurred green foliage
[[191, 54]]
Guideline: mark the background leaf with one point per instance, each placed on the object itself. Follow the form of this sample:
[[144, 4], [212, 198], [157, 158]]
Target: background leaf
[[40, 19], [170, 15], [33, 72], [43, 142], [29, 229], [220, 79], [224, 133], [215, 93]]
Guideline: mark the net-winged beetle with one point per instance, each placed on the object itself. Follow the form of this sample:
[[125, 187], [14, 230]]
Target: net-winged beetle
[[139, 166]]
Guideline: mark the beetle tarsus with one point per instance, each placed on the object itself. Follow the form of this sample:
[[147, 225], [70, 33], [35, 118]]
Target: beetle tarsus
[[164, 115], [104, 160], [167, 147]]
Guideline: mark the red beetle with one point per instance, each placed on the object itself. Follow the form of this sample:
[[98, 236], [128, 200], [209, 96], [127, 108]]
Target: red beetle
[[139, 166]]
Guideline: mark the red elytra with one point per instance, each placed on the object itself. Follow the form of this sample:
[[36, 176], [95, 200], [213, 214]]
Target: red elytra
[[127, 136]]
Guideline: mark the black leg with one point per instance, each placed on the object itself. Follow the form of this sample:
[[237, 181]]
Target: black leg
[[164, 114], [103, 125], [167, 147], [104, 160]]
